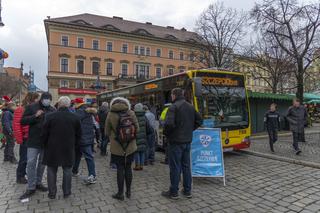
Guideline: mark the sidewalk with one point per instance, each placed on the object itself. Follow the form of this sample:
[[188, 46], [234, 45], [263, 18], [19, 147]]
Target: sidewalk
[[284, 150]]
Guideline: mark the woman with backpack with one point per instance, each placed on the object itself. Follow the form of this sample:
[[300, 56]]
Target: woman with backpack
[[141, 137], [121, 127]]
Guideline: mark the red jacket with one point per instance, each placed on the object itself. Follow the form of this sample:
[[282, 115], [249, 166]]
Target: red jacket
[[20, 132]]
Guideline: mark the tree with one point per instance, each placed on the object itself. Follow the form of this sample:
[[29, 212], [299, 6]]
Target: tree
[[220, 30], [295, 28], [9, 86], [272, 64]]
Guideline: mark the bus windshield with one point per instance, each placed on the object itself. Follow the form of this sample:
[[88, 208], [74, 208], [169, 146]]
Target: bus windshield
[[226, 106]]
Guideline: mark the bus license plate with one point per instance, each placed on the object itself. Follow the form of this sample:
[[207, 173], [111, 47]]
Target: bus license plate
[[228, 149]]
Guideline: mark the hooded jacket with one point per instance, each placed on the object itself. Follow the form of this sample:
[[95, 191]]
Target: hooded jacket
[[142, 133], [85, 114], [36, 123], [20, 132], [119, 105]]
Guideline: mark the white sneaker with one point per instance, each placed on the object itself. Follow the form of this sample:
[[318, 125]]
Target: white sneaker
[[91, 180]]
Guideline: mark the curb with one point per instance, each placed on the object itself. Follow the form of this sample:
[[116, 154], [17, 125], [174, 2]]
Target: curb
[[281, 134], [283, 159]]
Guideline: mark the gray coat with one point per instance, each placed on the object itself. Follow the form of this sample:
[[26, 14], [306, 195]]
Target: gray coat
[[297, 118]]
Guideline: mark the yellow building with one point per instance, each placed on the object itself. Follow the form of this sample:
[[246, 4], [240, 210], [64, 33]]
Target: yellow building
[[122, 52]]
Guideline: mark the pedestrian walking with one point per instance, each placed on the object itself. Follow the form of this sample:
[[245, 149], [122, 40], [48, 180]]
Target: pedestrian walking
[[272, 124], [151, 136], [61, 135], [297, 118], [181, 120], [21, 133], [121, 127], [102, 114], [6, 120], [34, 116], [85, 114], [141, 139]]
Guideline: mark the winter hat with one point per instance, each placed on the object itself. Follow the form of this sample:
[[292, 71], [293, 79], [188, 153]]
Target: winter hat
[[78, 102], [138, 107], [6, 99], [46, 95]]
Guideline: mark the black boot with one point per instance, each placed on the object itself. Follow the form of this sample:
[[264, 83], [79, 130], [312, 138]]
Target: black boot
[[118, 196], [128, 194]]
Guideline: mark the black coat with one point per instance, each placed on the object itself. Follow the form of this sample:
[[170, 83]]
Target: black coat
[[272, 120], [35, 124], [87, 126], [142, 133], [102, 115], [181, 120], [61, 135]]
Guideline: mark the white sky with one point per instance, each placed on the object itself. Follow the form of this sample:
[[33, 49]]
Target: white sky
[[23, 36]]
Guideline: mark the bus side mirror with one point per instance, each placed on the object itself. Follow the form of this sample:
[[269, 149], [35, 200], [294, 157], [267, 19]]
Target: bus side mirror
[[197, 86]]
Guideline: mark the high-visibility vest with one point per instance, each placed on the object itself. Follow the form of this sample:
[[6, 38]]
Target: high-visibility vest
[[164, 114]]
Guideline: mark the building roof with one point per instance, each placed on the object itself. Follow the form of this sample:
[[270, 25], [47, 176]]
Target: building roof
[[13, 72], [259, 95], [118, 24]]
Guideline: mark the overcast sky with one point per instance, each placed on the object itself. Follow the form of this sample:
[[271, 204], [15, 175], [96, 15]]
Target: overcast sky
[[23, 36]]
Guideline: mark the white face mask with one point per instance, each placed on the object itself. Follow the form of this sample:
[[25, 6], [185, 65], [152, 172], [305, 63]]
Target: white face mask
[[46, 102]]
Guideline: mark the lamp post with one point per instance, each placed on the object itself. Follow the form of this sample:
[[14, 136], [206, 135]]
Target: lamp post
[[1, 23]]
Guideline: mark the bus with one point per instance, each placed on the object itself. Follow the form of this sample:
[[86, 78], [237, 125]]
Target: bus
[[220, 96]]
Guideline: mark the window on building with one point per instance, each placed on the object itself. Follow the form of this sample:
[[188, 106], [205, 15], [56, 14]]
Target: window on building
[[170, 54], [64, 83], [158, 72], [181, 70], [125, 48], [95, 44], [95, 67], [80, 66], [79, 84], [191, 57], [171, 71], [80, 43], [148, 51], [64, 64], [142, 71], [142, 51], [158, 53], [136, 50], [109, 46], [109, 68], [65, 41], [181, 56], [124, 69]]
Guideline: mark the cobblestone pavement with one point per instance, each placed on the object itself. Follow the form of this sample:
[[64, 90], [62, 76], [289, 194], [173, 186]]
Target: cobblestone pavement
[[283, 147], [254, 184]]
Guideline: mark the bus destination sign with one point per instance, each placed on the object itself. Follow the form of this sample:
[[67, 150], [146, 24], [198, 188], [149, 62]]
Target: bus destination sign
[[150, 86], [218, 81]]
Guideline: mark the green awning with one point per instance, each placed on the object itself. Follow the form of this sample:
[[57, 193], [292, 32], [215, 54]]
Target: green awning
[[314, 101], [271, 96], [310, 96]]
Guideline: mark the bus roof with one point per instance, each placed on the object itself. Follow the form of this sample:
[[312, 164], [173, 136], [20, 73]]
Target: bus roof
[[174, 75]]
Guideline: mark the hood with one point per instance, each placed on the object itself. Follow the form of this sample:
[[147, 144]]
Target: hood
[[138, 107], [119, 107], [46, 95], [91, 110], [122, 100]]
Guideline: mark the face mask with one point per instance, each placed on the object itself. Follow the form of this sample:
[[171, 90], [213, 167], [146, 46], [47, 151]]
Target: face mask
[[46, 102]]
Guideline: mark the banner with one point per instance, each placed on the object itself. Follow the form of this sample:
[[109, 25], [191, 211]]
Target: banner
[[206, 153]]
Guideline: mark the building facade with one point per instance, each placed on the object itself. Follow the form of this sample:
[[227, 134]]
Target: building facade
[[87, 50]]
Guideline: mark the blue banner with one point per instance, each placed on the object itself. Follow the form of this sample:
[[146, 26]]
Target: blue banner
[[206, 153]]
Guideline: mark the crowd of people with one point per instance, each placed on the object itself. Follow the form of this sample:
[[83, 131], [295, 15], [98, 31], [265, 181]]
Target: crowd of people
[[52, 137]]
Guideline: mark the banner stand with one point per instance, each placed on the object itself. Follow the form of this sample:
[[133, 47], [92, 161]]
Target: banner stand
[[207, 154]]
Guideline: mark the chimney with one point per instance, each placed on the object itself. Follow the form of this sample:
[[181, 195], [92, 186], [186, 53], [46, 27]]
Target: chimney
[[183, 29], [149, 23], [117, 17], [170, 27], [21, 66]]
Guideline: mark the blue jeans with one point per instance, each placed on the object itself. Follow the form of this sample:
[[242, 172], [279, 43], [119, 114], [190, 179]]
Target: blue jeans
[[139, 158], [35, 168], [22, 165], [151, 148], [179, 161], [87, 152]]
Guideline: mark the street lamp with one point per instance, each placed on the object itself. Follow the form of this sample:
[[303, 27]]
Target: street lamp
[[1, 23]]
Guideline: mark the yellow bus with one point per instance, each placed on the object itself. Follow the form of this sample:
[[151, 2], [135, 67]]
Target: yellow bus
[[219, 96]]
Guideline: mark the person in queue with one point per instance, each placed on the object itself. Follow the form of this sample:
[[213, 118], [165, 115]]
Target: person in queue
[[61, 135], [151, 136], [181, 120], [141, 139], [102, 115], [21, 133], [121, 127], [34, 116]]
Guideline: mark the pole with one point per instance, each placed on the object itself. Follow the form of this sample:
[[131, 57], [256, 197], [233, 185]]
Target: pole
[[1, 23]]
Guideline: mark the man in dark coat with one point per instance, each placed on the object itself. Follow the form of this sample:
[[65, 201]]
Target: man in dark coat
[[61, 135], [85, 114], [102, 115], [297, 118], [272, 123], [34, 116], [181, 120]]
